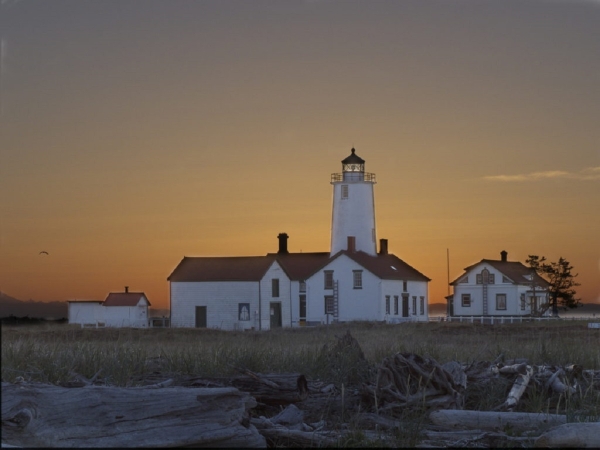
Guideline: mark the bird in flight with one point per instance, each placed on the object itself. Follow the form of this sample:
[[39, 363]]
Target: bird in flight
[[44, 252]]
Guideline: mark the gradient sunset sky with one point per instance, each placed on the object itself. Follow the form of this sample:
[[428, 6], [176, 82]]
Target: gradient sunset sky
[[134, 133]]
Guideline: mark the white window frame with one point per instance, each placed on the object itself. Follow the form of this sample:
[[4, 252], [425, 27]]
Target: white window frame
[[465, 300], [498, 300], [357, 279]]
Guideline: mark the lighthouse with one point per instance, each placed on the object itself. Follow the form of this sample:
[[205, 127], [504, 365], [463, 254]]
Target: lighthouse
[[353, 217]]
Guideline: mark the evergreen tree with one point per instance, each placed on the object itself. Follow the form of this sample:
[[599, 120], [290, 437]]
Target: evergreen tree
[[561, 279]]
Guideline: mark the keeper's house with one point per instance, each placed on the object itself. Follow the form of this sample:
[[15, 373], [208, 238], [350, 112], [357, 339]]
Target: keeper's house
[[498, 288], [350, 282]]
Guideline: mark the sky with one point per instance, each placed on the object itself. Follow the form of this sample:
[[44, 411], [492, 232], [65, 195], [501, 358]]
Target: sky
[[134, 133]]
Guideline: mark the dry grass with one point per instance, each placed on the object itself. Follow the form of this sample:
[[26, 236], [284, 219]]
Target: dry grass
[[50, 353]]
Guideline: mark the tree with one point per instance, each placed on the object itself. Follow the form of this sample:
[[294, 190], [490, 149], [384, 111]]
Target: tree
[[561, 279]]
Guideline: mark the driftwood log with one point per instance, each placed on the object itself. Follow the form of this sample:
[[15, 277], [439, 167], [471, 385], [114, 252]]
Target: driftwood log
[[574, 435], [271, 389], [496, 421], [43, 415]]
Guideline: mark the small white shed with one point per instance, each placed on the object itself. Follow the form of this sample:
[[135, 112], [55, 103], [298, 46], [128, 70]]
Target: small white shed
[[119, 309]]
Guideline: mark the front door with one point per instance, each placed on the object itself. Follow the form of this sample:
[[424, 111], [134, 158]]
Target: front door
[[405, 306], [200, 316], [275, 315], [302, 309]]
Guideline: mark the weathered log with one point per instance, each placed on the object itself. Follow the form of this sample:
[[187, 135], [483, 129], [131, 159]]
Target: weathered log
[[555, 383], [495, 421], [271, 389], [519, 386], [43, 415], [281, 435], [574, 435]]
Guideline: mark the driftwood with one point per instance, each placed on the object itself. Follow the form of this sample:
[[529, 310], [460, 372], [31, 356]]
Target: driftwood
[[524, 372], [575, 435], [495, 421], [42, 415], [407, 379], [270, 389]]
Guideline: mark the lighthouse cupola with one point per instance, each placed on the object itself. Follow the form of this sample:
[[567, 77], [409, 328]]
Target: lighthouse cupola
[[353, 167], [353, 218]]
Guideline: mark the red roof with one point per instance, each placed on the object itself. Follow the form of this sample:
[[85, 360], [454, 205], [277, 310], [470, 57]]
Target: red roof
[[221, 268], [387, 266], [297, 266], [514, 270], [124, 299], [300, 266]]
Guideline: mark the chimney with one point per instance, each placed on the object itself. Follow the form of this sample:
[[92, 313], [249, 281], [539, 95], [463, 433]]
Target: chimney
[[383, 249], [351, 244], [503, 255], [283, 237], [126, 289]]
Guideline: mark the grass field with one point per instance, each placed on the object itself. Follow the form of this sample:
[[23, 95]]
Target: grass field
[[51, 353]]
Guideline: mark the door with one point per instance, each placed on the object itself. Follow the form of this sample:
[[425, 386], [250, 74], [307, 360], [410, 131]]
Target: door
[[405, 306], [302, 309], [275, 315], [200, 316]]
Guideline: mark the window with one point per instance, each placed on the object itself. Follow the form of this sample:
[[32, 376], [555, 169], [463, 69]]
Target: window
[[466, 300], [328, 279], [523, 302], [485, 275], [329, 309], [405, 286], [464, 279], [500, 301], [387, 304], [275, 287], [414, 309], [422, 305], [396, 305], [492, 279], [344, 191], [244, 311], [303, 286], [479, 278], [357, 276], [302, 307]]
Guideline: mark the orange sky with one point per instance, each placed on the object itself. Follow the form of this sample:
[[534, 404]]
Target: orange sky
[[135, 133]]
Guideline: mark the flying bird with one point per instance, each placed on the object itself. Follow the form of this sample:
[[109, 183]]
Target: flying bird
[[44, 252]]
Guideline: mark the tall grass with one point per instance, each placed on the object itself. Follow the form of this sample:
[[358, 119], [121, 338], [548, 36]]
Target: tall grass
[[50, 353]]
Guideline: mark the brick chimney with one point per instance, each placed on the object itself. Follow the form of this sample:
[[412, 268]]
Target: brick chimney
[[503, 255], [383, 246], [283, 237], [126, 289], [351, 244]]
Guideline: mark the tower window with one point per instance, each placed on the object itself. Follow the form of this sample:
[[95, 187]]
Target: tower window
[[344, 191]]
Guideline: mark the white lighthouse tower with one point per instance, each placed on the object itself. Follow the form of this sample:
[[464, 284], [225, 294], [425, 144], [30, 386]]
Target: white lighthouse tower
[[353, 219]]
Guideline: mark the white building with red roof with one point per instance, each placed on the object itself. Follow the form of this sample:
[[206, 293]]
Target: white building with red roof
[[498, 288], [119, 309], [352, 281]]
